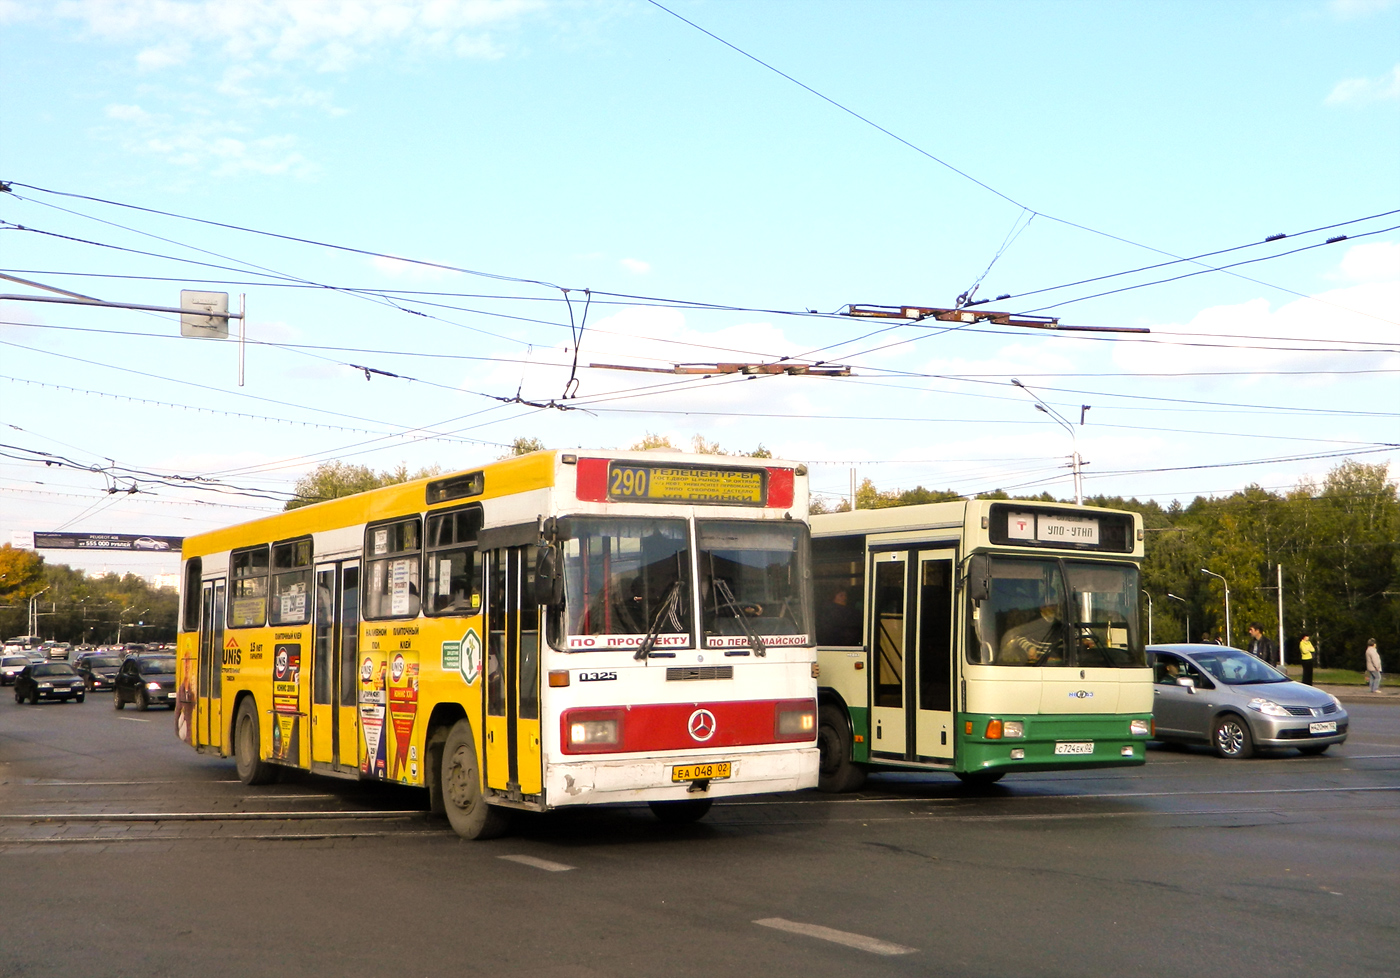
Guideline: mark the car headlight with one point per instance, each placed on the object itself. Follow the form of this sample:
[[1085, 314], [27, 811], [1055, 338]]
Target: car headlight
[[1267, 707], [155, 686], [46, 685], [1335, 702]]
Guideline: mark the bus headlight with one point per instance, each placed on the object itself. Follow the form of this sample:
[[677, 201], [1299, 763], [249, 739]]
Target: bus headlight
[[592, 731], [796, 724], [1139, 728], [1013, 728]]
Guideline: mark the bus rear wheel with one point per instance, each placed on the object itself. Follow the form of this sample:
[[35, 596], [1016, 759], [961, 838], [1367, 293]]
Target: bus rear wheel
[[462, 798], [836, 772], [247, 747], [680, 812]]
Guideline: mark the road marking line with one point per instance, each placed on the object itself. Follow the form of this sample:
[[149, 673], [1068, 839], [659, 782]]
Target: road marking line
[[133, 719], [201, 816], [858, 941], [544, 864]]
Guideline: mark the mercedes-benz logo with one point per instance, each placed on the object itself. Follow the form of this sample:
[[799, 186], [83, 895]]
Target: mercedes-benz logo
[[701, 725]]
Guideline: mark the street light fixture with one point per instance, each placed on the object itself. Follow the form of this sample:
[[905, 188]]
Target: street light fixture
[[121, 623], [1229, 636], [1059, 419], [1184, 604]]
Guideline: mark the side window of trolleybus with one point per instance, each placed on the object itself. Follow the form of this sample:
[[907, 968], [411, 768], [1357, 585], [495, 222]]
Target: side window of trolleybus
[[454, 566], [751, 580], [391, 561], [291, 583], [248, 592], [622, 577]]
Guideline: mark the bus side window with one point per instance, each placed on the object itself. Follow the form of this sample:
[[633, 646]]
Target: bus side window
[[454, 565], [838, 579]]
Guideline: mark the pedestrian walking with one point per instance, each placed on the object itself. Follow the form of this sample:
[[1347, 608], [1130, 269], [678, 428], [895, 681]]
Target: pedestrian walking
[[1305, 652], [1259, 644], [1373, 666]]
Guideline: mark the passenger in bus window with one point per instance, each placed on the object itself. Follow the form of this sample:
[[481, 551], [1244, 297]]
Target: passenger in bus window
[[1038, 640], [838, 623]]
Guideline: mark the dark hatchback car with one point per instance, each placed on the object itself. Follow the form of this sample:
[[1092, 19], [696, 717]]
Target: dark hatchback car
[[99, 671], [49, 681], [147, 681]]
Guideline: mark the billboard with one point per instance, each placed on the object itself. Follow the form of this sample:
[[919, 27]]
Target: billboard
[[106, 541]]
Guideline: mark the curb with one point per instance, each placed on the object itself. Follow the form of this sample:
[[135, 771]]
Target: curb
[[1358, 694]]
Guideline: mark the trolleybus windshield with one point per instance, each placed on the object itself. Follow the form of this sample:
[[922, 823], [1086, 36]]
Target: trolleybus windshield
[[1059, 613], [751, 583], [624, 577]]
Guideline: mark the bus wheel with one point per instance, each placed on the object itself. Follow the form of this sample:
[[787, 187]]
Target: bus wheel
[[680, 812], [462, 799], [980, 779], [837, 772], [247, 747]]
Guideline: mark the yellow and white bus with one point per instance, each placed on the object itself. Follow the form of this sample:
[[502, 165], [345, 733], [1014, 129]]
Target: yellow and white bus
[[549, 630], [979, 638]]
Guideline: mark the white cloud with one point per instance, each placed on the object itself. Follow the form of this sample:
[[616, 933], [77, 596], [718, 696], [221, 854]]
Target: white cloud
[[165, 55], [128, 113], [1377, 261], [1386, 88], [1354, 9], [635, 265]]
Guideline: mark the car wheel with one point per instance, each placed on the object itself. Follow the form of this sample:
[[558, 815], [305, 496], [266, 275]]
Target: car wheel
[[79, 698], [837, 772], [247, 747], [680, 812], [117, 701], [143, 702], [1232, 738], [462, 799], [1312, 750], [33, 696], [19, 697]]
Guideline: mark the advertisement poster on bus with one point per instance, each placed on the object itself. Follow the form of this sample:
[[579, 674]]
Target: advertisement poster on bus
[[403, 707], [372, 700], [286, 703]]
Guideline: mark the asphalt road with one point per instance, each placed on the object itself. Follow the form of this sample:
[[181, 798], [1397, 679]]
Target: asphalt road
[[122, 852]]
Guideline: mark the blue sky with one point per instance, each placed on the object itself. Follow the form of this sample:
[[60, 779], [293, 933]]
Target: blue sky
[[612, 147]]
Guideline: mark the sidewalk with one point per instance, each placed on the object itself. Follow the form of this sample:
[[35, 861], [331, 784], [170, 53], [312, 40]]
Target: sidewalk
[[1388, 695]]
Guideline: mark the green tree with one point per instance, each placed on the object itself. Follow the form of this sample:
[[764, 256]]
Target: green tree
[[652, 440], [331, 480], [520, 445]]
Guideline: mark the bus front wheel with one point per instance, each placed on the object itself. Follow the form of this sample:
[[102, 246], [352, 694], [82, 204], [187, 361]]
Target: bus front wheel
[[462, 799], [247, 747], [836, 772]]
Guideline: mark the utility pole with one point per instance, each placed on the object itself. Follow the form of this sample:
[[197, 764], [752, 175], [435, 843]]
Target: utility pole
[[1186, 606], [1229, 636], [1282, 659], [1059, 419], [34, 612]]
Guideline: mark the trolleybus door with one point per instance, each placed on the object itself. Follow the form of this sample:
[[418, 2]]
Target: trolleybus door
[[888, 718], [512, 748], [334, 678], [210, 682], [933, 720]]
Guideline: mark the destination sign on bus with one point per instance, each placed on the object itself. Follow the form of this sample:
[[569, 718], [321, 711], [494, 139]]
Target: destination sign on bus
[[1022, 525], [1052, 528], [630, 482]]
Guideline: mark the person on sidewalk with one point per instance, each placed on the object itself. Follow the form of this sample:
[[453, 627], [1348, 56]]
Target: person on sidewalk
[[1305, 652], [1373, 666], [1259, 644]]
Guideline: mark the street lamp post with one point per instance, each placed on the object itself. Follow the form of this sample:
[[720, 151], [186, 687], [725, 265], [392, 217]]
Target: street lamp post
[[1059, 419], [1173, 597], [1149, 614], [120, 623], [1229, 636], [33, 611]]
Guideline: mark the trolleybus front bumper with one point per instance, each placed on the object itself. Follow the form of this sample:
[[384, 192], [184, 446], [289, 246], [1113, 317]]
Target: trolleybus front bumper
[[633, 780], [1052, 743]]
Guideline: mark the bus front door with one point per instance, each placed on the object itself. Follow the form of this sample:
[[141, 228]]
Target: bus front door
[[209, 685], [911, 703], [512, 748], [334, 667]]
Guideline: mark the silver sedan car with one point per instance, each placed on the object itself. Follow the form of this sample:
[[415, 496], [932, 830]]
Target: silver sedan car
[[1236, 702]]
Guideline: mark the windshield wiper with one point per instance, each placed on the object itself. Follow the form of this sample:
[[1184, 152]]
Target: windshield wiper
[[668, 604], [755, 642]]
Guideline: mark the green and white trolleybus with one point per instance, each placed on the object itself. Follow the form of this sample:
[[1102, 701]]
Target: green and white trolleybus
[[979, 637]]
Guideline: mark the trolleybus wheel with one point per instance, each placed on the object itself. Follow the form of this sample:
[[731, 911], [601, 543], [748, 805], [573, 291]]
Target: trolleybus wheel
[[462, 799], [980, 779], [680, 812], [247, 747], [1231, 738], [837, 772]]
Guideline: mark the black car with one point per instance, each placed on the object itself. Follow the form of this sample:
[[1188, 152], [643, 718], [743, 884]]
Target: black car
[[49, 681], [99, 671], [146, 680]]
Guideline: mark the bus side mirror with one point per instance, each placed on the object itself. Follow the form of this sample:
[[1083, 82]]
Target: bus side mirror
[[549, 578], [979, 577]]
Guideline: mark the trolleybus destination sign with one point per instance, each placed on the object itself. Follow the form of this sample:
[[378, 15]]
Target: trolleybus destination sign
[[628, 482]]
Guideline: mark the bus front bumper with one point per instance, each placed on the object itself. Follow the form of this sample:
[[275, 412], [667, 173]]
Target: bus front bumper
[[624, 781], [1055, 743]]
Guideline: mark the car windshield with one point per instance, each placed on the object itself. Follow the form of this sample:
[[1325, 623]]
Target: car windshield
[[157, 667], [102, 662], [1236, 668], [752, 582], [624, 578], [54, 669], [1036, 615]]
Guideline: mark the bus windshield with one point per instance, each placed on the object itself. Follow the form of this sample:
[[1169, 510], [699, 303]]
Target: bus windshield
[[624, 578], [1053, 613], [752, 584]]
